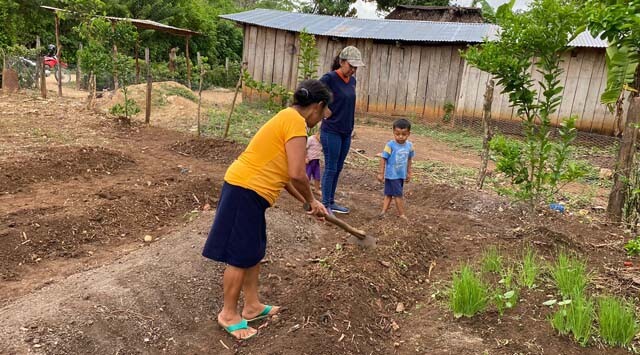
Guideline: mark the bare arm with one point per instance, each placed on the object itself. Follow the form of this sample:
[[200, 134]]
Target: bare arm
[[409, 170], [298, 185], [383, 164]]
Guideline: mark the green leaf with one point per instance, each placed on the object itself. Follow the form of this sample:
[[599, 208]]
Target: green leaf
[[622, 63], [509, 294], [549, 302]]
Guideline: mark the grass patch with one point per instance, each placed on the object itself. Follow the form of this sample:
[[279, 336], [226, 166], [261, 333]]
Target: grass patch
[[458, 138], [179, 91], [575, 317], [616, 320], [444, 173], [491, 260], [529, 268], [570, 275], [469, 295], [246, 120]]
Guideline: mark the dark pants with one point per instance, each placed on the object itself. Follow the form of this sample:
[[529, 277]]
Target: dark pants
[[335, 147]]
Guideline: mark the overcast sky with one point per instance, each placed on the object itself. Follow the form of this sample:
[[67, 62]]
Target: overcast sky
[[368, 9]]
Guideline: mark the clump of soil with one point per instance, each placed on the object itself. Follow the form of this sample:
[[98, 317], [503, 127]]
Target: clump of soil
[[60, 164]]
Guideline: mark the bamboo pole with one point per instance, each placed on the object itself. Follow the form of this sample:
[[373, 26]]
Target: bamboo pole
[[147, 113], [233, 103], [78, 71], [137, 49]]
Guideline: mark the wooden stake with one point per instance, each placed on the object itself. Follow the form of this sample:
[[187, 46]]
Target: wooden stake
[[188, 63], [147, 113], [486, 121], [41, 76], [78, 71], [200, 90], [624, 162], [58, 51], [233, 103], [115, 57], [137, 49]]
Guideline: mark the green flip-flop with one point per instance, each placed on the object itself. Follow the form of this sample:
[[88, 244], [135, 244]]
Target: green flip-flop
[[243, 324], [263, 314]]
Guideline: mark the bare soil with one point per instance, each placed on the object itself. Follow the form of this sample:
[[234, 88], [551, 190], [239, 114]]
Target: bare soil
[[79, 191]]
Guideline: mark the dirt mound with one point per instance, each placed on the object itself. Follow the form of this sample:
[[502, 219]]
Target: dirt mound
[[209, 149], [112, 216], [60, 164]]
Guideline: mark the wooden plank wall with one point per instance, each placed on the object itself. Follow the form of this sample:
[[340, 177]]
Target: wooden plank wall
[[416, 80], [584, 80]]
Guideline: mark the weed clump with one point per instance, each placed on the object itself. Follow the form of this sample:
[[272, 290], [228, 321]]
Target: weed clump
[[469, 295], [616, 320]]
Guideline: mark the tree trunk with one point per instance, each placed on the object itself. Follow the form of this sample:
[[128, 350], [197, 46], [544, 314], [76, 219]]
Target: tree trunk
[[486, 120], [624, 162]]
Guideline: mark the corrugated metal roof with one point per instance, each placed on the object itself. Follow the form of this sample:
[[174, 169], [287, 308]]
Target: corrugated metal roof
[[586, 40], [383, 29], [397, 30]]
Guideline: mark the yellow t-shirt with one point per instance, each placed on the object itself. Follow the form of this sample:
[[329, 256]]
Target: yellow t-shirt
[[263, 166]]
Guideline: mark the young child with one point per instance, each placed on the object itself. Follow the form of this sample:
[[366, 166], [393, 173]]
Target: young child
[[314, 152], [395, 166]]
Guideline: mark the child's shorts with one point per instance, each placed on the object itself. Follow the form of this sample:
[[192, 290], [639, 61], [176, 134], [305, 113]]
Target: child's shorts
[[238, 236], [393, 187], [313, 169]]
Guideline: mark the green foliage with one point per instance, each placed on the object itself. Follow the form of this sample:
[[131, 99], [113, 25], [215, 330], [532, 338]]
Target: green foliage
[[633, 246], [570, 275], [389, 5], [506, 294], [247, 119], [542, 33], [488, 13], [469, 295], [575, 317], [308, 57], [448, 111], [127, 110], [529, 268], [491, 260], [617, 321], [180, 91], [330, 7], [622, 64], [274, 90]]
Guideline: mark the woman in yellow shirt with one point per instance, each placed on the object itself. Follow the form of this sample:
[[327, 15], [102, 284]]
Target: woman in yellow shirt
[[273, 160]]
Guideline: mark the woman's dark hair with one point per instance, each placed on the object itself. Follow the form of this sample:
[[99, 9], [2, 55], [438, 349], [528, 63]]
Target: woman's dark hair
[[310, 92], [336, 63]]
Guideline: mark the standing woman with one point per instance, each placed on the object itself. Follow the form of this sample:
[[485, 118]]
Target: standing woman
[[273, 160], [336, 129]]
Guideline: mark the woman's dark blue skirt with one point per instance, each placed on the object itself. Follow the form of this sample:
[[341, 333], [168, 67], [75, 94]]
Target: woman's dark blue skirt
[[238, 236]]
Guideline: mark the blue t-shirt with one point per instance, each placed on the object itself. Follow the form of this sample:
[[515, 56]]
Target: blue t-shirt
[[343, 106], [397, 156]]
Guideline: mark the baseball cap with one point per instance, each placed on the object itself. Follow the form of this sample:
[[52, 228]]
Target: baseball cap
[[352, 55]]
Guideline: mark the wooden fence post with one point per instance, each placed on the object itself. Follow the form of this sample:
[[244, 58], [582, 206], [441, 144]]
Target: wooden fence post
[[58, 51], [486, 121], [233, 103], [188, 63], [147, 113], [78, 70], [624, 162], [200, 90]]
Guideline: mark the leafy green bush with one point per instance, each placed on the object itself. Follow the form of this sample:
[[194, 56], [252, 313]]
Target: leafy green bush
[[180, 91], [617, 323], [491, 260], [570, 275], [574, 316], [633, 246], [127, 110], [529, 268], [469, 295], [448, 111]]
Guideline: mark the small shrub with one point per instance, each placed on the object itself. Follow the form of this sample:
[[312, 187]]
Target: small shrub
[[633, 246], [529, 268], [492, 260], [469, 295], [574, 316], [127, 110], [570, 275], [448, 111], [507, 294], [617, 323]]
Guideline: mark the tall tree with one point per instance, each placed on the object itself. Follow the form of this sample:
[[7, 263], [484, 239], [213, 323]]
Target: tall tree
[[389, 5]]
